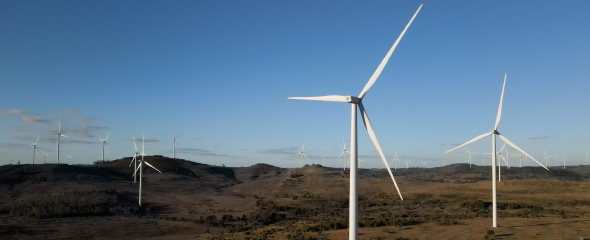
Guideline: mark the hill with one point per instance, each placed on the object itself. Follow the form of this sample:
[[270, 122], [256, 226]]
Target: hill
[[192, 200]]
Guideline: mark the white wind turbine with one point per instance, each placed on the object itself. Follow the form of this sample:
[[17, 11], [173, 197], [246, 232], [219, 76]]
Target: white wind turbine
[[407, 163], [34, 149], [500, 162], [59, 135], [140, 167], [323, 162], [470, 153], [344, 152], [134, 160], [546, 158], [424, 164], [494, 132], [301, 155], [69, 159], [104, 144], [357, 101], [174, 146], [563, 159], [395, 160], [44, 155]]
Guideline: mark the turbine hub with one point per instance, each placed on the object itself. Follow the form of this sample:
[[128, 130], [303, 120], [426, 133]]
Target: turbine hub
[[353, 99]]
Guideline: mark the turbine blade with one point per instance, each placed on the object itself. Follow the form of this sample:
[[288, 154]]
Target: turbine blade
[[303, 147], [64, 136], [152, 166], [133, 159], [377, 72], [142, 144], [134, 144], [305, 156], [329, 98], [138, 166], [472, 140], [341, 155], [373, 137], [107, 136], [500, 107], [344, 145], [503, 146], [37, 140], [517, 148]]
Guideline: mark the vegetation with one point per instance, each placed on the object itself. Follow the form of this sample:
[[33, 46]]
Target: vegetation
[[73, 204]]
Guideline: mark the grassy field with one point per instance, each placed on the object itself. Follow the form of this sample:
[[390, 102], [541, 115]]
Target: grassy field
[[197, 201]]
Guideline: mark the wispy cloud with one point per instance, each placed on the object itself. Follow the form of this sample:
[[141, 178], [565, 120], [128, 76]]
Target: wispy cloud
[[138, 140], [13, 112], [200, 152], [33, 119], [539, 138], [456, 144], [288, 150], [442, 144], [70, 111], [86, 119]]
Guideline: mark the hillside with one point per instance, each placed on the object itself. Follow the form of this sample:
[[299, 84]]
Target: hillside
[[192, 200]]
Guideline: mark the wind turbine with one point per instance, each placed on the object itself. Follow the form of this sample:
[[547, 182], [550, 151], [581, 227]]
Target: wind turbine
[[563, 159], [134, 160], [104, 144], [69, 159], [494, 132], [59, 135], [500, 162], [357, 101], [424, 164], [44, 157], [140, 167], [323, 162], [174, 146], [546, 158], [34, 149], [344, 151], [395, 160], [301, 155], [407, 163], [470, 153], [587, 159]]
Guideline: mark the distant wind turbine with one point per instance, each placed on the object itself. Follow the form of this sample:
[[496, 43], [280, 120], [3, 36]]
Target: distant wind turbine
[[494, 132], [134, 160], [104, 144], [140, 167], [395, 160], [357, 101], [344, 152], [44, 157], [301, 155], [69, 159], [470, 153], [587, 162], [174, 146], [59, 135], [323, 162], [424, 164], [34, 149]]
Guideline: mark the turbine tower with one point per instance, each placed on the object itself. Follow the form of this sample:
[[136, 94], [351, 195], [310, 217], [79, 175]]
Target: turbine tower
[[357, 101], [301, 155], [104, 144], [59, 135], [140, 167], [494, 132], [344, 152], [34, 149], [174, 146]]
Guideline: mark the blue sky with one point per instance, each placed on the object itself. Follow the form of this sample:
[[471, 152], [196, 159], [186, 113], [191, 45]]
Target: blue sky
[[219, 73]]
